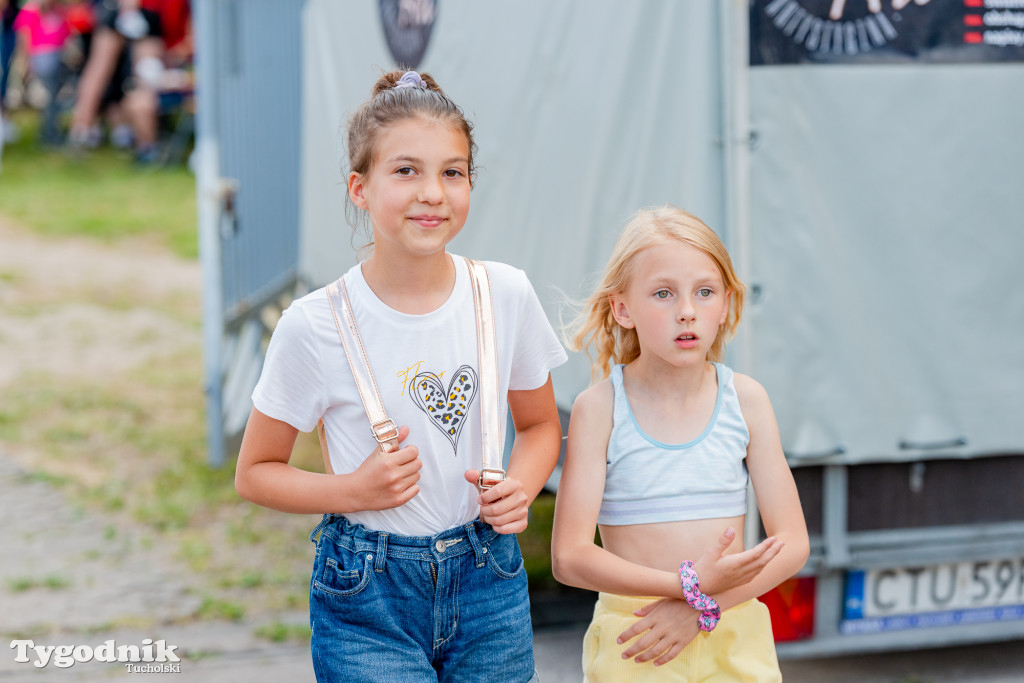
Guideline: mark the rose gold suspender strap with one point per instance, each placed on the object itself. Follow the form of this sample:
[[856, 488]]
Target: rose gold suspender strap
[[491, 471], [384, 429]]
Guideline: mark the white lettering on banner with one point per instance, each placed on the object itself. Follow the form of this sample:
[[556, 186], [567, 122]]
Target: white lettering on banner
[[1004, 37], [64, 656], [1004, 18], [1004, 4]]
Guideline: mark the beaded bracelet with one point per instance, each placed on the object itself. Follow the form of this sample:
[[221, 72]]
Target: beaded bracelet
[[709, 610]]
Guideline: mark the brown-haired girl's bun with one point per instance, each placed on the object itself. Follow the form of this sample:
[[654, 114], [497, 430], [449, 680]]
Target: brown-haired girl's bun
[[399, 79]]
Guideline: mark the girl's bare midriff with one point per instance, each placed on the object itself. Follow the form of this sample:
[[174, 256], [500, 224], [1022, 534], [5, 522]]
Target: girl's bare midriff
[[665, 545]]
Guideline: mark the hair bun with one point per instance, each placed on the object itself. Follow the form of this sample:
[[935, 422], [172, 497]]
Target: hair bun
[[410, 79], [401, 79]]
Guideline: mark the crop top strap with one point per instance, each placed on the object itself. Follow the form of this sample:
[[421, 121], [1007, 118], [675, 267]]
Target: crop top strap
[[622, 413]]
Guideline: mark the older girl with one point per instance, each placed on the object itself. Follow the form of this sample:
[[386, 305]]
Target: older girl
[[418, 575]]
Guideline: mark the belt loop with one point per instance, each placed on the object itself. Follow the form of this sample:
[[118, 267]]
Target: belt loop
[[474, 540], [382, 550], [324, 521]]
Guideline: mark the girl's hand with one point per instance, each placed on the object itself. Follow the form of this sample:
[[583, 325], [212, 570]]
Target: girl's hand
[[504, 506], [670, 625], [718, 572], [388, 480]]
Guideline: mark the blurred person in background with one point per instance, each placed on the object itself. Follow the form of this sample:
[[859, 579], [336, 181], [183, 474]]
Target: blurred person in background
[[158, 34], [43, 30], [111, 109], [8, 12]]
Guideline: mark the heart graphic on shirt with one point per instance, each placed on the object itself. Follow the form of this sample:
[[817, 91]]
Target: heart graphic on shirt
[[447, 407]]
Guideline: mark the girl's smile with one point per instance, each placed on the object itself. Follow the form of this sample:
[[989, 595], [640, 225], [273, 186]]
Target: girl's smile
[[428, 221]]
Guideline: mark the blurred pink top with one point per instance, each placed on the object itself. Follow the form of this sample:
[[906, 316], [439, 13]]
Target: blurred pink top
[[46, 31]]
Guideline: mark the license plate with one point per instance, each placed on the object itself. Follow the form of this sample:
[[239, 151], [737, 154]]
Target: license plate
[[933, 595]]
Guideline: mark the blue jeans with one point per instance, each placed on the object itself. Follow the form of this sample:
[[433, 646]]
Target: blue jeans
[[390, 608], [49, 69], [7, 42]]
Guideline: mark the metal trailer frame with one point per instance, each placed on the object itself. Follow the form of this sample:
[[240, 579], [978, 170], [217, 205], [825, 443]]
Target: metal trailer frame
[[837, 550], [246, 160]]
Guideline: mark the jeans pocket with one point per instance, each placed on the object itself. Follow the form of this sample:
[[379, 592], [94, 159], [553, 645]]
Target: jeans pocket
[[344, 573], [504, 557]]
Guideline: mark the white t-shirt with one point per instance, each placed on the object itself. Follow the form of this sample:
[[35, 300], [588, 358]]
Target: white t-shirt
[[420, 362]]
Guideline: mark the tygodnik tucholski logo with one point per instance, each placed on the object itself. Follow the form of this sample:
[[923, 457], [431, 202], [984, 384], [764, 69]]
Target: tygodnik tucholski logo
[[149, 657]]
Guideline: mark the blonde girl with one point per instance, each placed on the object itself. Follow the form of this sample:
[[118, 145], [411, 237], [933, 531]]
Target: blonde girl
[[658, 459], [417, 574]]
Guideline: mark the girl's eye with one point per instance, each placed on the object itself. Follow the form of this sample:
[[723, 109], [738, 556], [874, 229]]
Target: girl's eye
[[704, 292], [662, 294], [404, 170], [453, 173]]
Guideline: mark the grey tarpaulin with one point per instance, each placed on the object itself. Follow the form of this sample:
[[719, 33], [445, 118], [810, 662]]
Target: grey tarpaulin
[[887, 240]]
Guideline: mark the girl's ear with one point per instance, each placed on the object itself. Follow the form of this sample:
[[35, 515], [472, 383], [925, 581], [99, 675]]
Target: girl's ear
[[725, 311], [356, 189], [619, 311]]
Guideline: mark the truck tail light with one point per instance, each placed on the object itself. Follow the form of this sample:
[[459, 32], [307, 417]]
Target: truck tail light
[[791, 605]]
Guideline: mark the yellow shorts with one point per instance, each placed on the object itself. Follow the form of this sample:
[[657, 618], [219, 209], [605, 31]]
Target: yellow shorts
[[741, 648]]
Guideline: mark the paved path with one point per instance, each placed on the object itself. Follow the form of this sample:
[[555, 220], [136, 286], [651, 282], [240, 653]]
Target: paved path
[[73, 577]]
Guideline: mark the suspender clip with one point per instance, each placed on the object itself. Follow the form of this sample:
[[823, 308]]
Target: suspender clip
[[386, 434], [490, 478]]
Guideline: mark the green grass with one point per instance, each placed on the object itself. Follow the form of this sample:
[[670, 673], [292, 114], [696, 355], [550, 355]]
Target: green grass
[[278, 632], [535, 543], [215, 608], [53, 582], [101, 194]]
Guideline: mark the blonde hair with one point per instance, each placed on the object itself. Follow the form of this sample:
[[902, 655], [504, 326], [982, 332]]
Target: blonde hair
[[595, 326]]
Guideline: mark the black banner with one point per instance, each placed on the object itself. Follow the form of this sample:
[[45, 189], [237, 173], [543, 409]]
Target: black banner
[[885, 31]]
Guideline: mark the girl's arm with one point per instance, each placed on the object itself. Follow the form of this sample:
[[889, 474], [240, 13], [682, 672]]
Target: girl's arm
[[576, 560], [534, 454], [264, 476], [777, 498]]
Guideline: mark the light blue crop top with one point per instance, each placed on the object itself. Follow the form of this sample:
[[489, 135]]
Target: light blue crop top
[[649, 481]]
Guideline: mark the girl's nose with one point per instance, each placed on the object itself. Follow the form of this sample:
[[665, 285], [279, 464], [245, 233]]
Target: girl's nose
[[687, 311], [431, 191]]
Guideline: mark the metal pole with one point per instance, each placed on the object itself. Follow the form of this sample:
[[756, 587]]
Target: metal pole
[[207, 169], [735, 41]]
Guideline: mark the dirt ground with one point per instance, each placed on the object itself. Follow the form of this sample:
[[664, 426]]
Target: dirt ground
[[73, 575], [59, 304]]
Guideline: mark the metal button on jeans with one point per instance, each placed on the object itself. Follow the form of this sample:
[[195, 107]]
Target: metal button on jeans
[[439, 546]]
